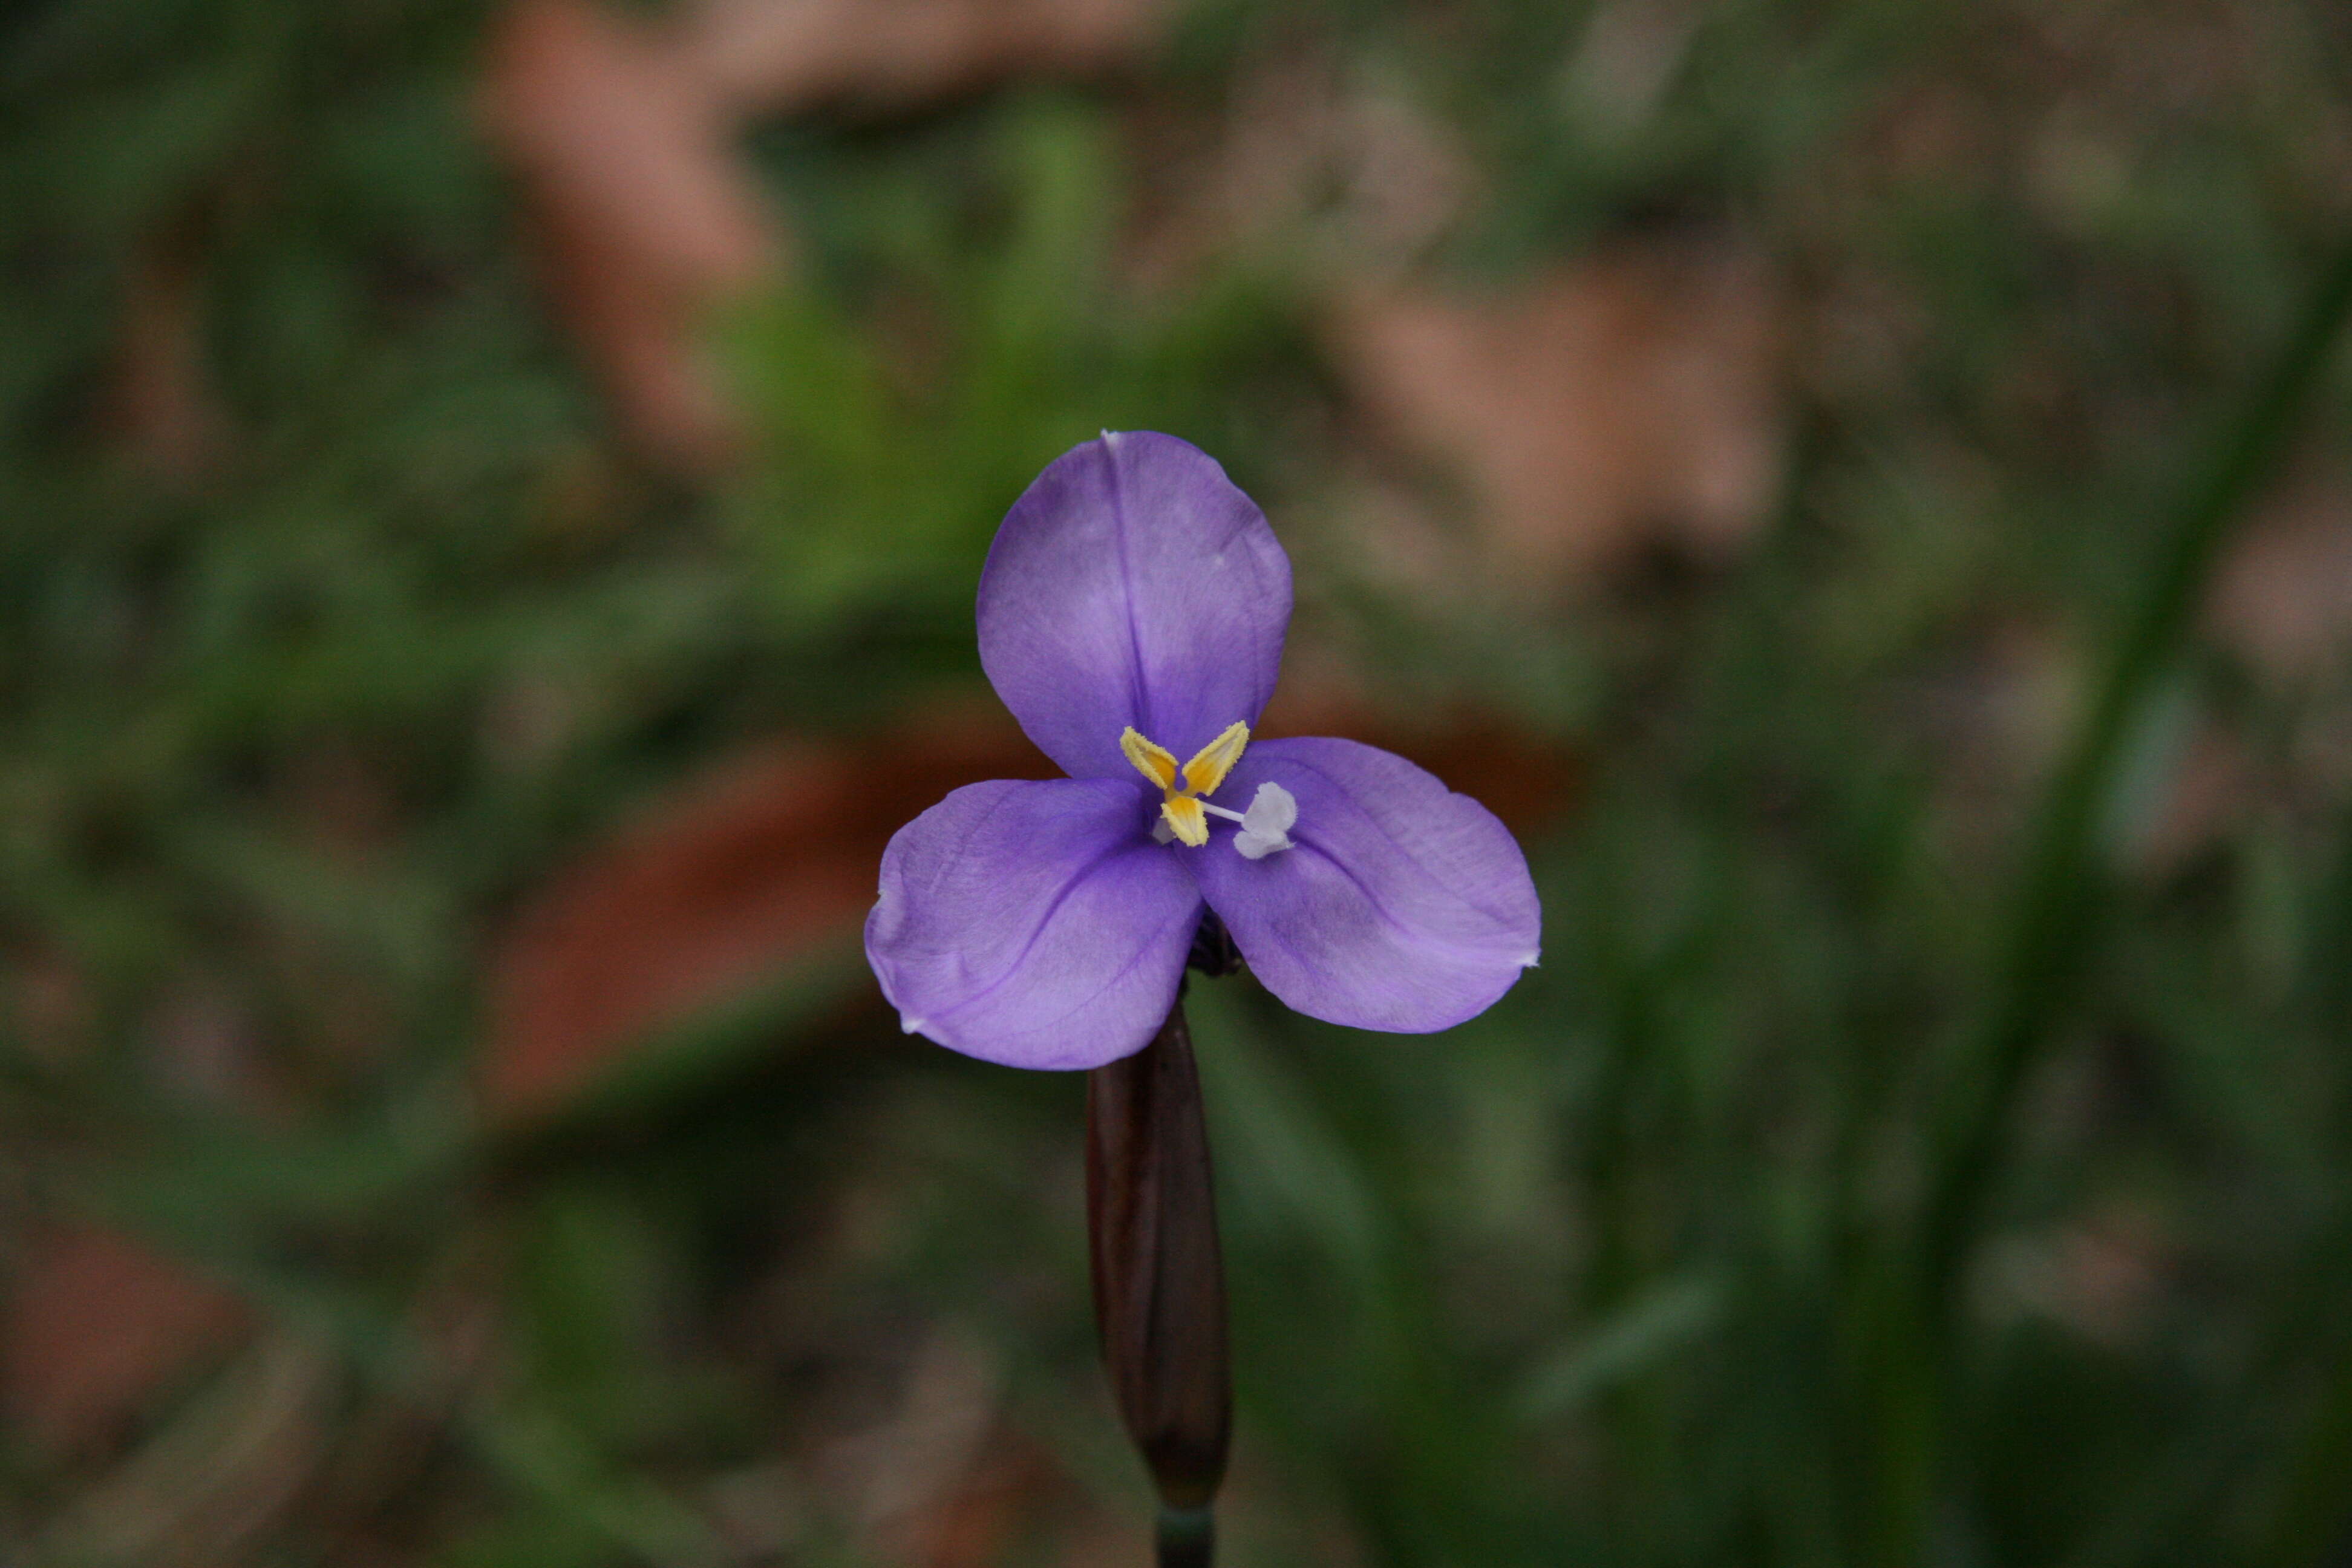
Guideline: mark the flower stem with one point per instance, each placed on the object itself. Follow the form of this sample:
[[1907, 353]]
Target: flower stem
[[1187, 1537], [1158, 1278]]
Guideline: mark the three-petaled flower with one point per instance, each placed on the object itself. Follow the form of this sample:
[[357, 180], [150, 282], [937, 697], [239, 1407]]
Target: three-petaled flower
[[1132, 614]]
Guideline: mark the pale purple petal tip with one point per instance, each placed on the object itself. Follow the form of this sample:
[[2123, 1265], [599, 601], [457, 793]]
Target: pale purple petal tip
[[1398, 905], [1132, 585], [1034, 923]]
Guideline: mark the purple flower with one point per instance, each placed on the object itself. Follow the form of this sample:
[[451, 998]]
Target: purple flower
[[1131, 614]]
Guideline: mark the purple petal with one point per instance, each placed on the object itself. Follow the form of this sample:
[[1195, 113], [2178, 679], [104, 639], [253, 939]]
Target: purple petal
[[1132, 585], [1034, 923], [1400, 905]]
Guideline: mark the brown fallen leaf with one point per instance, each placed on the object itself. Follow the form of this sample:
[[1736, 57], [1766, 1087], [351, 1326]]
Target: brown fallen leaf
[[2203, 794], [1308, 151], [787, 56], [644, 213], [775, 857], [168, 414], [44, 1002], [95, 1322], [1527, 780], [2102, 1275], [770, 859], [644, 216], [2282, 597], [997, 1502], [1628, 399]]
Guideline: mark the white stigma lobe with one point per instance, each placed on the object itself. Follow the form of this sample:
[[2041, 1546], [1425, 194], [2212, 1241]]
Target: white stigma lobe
[[1266, 825]]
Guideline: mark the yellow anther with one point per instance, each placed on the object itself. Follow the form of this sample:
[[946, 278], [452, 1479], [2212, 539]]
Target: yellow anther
[[1212, 762], [1180, 787], [1154, 762], [1186, 819]]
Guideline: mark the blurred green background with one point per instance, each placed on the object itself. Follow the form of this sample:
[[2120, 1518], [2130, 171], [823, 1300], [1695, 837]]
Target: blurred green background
[[489, 503]]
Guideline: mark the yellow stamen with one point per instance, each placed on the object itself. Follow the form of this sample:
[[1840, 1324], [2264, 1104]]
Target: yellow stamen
[[1200, 776], [1154, 762], [1212, 762], [1186, 819]]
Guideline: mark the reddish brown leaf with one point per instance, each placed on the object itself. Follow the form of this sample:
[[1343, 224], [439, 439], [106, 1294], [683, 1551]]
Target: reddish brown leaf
[[1012, 1484], [95, 1322], [1626, 400], [776, 856], [769, 860], [165, 406], [644, 213], [785, 56], [2283, 596], [1529, 781]]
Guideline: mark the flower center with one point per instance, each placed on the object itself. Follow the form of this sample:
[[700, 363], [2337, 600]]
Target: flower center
[[1183, 815]]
